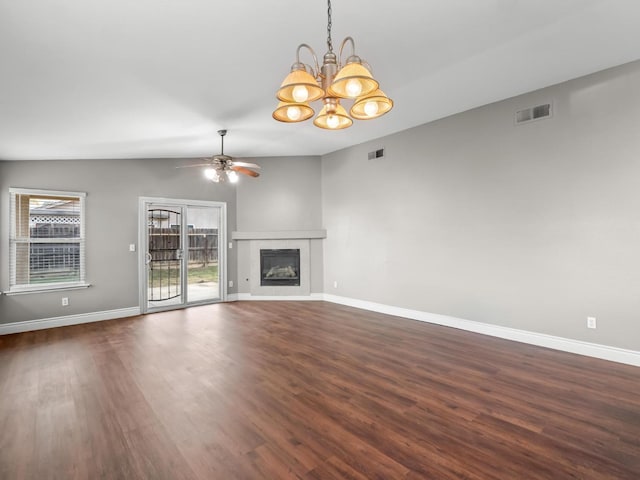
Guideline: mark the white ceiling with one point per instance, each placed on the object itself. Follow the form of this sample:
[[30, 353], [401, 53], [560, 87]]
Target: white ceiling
[[158, 78]]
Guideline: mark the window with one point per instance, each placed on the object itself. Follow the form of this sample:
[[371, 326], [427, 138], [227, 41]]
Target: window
[[46, 240]]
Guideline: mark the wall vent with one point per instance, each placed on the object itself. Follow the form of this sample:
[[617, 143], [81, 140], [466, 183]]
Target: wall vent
[[376, 154], [533, 113]]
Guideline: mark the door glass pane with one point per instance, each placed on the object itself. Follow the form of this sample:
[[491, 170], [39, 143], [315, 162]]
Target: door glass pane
[[164, 281], [202, 267]]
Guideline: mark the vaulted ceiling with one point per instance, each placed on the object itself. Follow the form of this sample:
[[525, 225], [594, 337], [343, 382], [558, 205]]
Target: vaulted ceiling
[[158, 78]]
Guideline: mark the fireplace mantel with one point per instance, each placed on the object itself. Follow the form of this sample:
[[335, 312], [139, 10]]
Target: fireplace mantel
[[281, 235]]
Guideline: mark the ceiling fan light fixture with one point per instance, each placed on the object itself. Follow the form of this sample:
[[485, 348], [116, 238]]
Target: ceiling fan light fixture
[[292, 112], [232, 176], [371, 106], [211, 173], [221, 168]]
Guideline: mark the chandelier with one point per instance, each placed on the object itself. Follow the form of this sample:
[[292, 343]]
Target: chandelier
[[330, 83]]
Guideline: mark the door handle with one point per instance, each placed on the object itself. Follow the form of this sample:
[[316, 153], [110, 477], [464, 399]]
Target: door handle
[[148, 258]]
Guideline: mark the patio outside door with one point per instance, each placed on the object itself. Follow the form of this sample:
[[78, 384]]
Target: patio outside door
[[164, 256], [182, 262]]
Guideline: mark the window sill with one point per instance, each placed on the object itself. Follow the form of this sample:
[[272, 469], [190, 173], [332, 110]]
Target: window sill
[[43, 289]]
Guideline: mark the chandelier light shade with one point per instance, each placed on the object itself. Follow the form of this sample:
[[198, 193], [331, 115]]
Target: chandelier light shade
[[299, 86], [293, 112], [371, 106], [333, 117], [332, 82], [353, 81]]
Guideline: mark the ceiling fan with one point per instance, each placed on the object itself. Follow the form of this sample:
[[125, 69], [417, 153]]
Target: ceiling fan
[[221, 168]]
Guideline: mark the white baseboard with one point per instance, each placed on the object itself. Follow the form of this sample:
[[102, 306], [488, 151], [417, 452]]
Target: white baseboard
[[296, 298], [29, 325], [67, 320], [614, 354]]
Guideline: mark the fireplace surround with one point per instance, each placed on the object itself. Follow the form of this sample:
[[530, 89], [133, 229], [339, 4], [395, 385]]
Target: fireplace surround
[[303, 286], [249, 244]]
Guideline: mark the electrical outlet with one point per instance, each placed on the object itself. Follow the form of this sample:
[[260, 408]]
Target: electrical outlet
[[230, 283], [132, 247], [230, 245], [65, 301], [335, 284], [591, 322]]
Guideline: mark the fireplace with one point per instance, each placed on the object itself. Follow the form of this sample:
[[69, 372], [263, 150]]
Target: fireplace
[[280, 267], [299, 246]]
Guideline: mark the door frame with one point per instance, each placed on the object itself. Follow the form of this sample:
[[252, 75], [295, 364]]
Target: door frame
[[143, 203]]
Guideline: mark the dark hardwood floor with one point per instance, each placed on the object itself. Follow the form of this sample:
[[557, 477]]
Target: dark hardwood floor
[[307, 390]]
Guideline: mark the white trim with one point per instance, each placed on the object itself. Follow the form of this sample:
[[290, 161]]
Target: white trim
[[614, 354], [279, 235], [30, 325], [46, 193], [258, 298], [191, 203], [43, 289], [223, 265]]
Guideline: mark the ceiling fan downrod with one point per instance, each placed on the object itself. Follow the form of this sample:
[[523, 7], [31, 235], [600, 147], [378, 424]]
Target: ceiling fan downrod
[[222, 133]]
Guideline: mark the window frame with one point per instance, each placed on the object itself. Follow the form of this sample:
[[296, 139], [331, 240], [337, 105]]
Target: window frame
[[15, 239]]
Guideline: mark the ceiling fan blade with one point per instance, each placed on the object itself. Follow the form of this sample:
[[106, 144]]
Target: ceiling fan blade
[[246, 171], [246, 164], [195, 165], [223, 163]]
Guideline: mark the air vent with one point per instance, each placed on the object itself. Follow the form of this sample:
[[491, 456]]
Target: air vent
[[376, 154], [533, 113]]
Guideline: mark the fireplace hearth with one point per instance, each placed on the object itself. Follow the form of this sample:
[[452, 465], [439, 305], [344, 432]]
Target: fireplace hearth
[[280, 267]]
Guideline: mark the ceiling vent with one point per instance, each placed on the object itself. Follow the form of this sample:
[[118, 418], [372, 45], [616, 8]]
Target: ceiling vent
[[376, 154], [533, 113]]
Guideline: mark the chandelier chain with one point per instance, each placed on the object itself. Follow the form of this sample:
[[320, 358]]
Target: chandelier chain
[[329, 42]]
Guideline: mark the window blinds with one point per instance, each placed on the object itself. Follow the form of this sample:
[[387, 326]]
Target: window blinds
[[47, 239]]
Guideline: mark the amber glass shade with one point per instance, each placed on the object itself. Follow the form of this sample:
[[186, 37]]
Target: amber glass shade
[[371, 106], [298, 85], [292, 112], [336, 119], [352, 81]]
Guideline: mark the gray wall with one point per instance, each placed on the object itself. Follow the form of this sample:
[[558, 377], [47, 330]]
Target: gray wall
[[285, 197], [113, 188], [534, 226]]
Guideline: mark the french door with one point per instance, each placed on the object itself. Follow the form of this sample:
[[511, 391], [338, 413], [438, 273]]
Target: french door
[[182, 259]]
